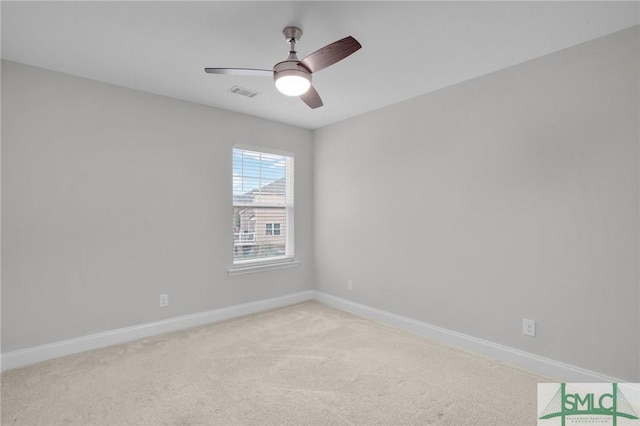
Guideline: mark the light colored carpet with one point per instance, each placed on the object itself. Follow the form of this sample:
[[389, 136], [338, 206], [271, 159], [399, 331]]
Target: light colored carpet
[[306, 364]]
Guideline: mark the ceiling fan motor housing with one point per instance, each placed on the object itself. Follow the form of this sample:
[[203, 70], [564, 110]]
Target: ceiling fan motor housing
[[290, 68]]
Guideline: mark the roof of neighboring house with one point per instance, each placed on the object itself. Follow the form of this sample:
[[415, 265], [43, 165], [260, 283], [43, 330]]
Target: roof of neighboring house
[[276, 187]]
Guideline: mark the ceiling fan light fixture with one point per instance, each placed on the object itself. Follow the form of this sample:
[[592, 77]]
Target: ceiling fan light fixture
[[292, 82]]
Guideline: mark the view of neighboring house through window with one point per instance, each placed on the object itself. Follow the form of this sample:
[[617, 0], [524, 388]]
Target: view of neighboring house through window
[[262, 206]]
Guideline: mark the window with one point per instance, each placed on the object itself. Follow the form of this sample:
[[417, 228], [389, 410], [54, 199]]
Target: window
[[273, 229], [262, 207]]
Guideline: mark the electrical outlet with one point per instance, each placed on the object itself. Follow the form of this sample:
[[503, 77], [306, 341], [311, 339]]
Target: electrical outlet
[[164, 300], [350, 285], [528, 327]]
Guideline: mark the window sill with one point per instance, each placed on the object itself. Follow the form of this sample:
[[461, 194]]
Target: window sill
[[260, 267]]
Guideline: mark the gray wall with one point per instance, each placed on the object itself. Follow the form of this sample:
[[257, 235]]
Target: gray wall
[[111, 197], [510, 196]]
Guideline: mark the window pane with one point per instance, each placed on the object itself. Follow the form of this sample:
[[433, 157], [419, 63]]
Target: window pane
[[260, 178], [253, 233]]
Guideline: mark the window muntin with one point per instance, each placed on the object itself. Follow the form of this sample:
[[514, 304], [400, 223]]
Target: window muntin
[[262, 207]]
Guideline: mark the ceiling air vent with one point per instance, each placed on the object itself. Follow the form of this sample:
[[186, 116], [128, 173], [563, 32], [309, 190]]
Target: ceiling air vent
[[243, 92]]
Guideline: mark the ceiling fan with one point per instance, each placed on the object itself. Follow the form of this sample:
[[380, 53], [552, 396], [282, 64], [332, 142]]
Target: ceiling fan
[[293, 76]]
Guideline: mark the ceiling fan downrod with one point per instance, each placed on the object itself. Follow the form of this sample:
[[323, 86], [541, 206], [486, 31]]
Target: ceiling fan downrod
[[292, 35]]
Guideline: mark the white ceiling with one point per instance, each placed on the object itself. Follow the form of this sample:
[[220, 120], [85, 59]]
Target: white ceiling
[[409, 48]]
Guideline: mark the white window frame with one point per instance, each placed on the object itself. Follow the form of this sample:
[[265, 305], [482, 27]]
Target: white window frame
[[276, 262]]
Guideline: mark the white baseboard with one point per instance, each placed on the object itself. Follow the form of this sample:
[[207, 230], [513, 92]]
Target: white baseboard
[[40, 353], [555, 370]]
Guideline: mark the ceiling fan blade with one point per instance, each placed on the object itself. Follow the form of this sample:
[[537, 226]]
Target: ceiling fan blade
[[311, 98], [240, 71], [331, 53]]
